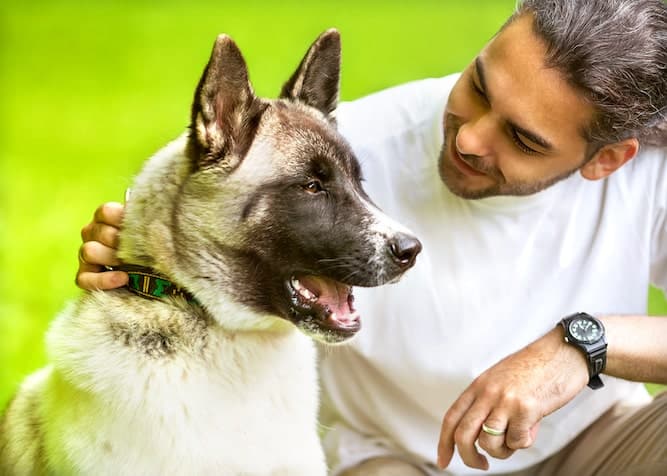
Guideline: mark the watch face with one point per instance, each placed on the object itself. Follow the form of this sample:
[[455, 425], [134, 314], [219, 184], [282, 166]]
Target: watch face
[[585, 330]]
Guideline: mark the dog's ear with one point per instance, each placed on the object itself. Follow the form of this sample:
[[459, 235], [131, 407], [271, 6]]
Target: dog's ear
[[225, 111], [316, 81]]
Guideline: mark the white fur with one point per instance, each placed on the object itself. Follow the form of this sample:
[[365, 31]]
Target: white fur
[[224, 404], [379, 228]]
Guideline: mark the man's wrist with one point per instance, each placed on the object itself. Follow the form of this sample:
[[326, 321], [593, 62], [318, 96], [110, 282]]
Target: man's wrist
[[569, 353], [586, 334]]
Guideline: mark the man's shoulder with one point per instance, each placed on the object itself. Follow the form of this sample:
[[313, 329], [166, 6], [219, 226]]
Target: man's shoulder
[[422, 88], [644, 178], [649, 164], [392, 110]]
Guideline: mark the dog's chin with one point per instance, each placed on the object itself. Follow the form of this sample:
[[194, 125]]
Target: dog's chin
[[322, 308]]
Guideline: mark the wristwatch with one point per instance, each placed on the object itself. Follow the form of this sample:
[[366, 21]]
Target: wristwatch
[[586, 333]]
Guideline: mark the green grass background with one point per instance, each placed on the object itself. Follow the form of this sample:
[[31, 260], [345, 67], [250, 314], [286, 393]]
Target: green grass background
[[88, 90]]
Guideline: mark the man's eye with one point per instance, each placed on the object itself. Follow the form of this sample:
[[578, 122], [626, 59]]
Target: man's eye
[[520, 144], [477, 89], [314, 186]]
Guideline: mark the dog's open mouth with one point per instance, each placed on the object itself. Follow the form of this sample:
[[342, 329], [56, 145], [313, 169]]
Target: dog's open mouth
[[323, 306]]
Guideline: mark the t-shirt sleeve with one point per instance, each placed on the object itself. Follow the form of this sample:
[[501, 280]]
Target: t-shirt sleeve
[[659, 233]]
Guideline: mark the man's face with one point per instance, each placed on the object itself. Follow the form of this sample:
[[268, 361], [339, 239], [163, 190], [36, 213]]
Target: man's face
[[512, 125]]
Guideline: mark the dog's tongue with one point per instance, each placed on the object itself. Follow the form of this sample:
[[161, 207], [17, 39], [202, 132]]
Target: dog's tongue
[[331, 295]]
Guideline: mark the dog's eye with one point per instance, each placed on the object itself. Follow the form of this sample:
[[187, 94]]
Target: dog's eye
[[314, 186]]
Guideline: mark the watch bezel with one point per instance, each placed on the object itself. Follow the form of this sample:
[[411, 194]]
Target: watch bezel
[[581, 317]]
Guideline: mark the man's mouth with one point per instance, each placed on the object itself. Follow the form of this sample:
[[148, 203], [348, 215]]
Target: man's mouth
[[322, 306], [464, 167]]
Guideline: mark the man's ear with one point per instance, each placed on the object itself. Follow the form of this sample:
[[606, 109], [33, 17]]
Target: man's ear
[[224, 110], [609, 159], [316, 81]]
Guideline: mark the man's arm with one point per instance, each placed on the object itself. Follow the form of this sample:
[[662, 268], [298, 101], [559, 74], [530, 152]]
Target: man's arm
[[100, 241], [516, 393], [637, 348]]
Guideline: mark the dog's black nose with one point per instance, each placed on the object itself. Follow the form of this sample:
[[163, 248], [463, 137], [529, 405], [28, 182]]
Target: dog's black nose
[[404, 249]]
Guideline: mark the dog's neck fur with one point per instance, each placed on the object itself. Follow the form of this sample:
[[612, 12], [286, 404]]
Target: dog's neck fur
[[143, 240], [146, 240]]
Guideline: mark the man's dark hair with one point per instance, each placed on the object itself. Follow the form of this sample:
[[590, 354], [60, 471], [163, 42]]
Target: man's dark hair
[[615, 53]]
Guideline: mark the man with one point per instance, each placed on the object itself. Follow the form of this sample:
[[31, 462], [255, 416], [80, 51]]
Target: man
[[546, 196]]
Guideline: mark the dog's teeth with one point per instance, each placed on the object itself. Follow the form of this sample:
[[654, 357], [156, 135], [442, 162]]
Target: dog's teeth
[[307, 294], [303, 291]]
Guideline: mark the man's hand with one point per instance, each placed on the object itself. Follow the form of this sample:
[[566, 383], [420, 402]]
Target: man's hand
[[100, 241], [512, 396]]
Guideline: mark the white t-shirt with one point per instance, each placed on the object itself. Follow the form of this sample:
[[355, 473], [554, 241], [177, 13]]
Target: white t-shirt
[[494, 275]]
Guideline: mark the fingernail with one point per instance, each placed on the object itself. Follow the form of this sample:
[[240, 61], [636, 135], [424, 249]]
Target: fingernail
[[120, 279]]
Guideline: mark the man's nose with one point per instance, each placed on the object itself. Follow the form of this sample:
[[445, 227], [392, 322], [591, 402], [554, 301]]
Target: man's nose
[[475, 137]]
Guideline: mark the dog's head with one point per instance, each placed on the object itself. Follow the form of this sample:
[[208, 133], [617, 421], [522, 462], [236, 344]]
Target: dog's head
[[270, 213]]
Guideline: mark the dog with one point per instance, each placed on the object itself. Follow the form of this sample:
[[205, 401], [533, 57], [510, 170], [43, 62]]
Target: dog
[[243, 238]]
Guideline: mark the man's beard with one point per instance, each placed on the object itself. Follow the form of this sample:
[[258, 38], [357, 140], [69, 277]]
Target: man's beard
[[500, 186]]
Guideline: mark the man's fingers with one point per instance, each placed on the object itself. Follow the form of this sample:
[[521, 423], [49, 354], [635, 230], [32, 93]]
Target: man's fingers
[[95, 253], [466, 435], [93, 256], [100, 239], [449, 424], [110, 213], [101, 232], [95, 279], [522, 427], [104, 227], [495, 445]]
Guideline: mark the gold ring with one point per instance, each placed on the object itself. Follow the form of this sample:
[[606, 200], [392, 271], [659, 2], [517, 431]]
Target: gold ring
[[492, 431]]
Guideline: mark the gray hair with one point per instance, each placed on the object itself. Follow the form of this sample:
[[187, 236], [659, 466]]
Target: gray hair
[[615, 53]]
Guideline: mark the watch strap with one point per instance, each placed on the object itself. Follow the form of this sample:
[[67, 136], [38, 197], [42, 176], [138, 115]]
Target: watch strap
[[597, 359], [595, 353], [595, 382]]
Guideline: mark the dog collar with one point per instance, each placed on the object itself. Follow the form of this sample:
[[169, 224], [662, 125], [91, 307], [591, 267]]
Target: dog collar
[[148, 283]]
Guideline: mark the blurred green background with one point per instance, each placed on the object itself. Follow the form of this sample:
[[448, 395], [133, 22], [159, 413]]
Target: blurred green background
[[88, 90]]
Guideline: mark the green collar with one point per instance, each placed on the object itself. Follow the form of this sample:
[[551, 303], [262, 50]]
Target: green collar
[[148, 283]]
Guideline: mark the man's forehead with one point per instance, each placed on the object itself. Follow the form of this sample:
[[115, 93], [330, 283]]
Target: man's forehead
[[528, 91]]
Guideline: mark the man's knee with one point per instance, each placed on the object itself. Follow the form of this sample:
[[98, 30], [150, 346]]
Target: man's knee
[[384, 466]]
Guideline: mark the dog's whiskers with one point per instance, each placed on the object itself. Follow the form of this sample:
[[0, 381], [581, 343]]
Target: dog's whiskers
[[334, 260], [351, 274]]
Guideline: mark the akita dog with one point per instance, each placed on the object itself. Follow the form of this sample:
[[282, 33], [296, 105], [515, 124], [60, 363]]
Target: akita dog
[[250, 227]]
